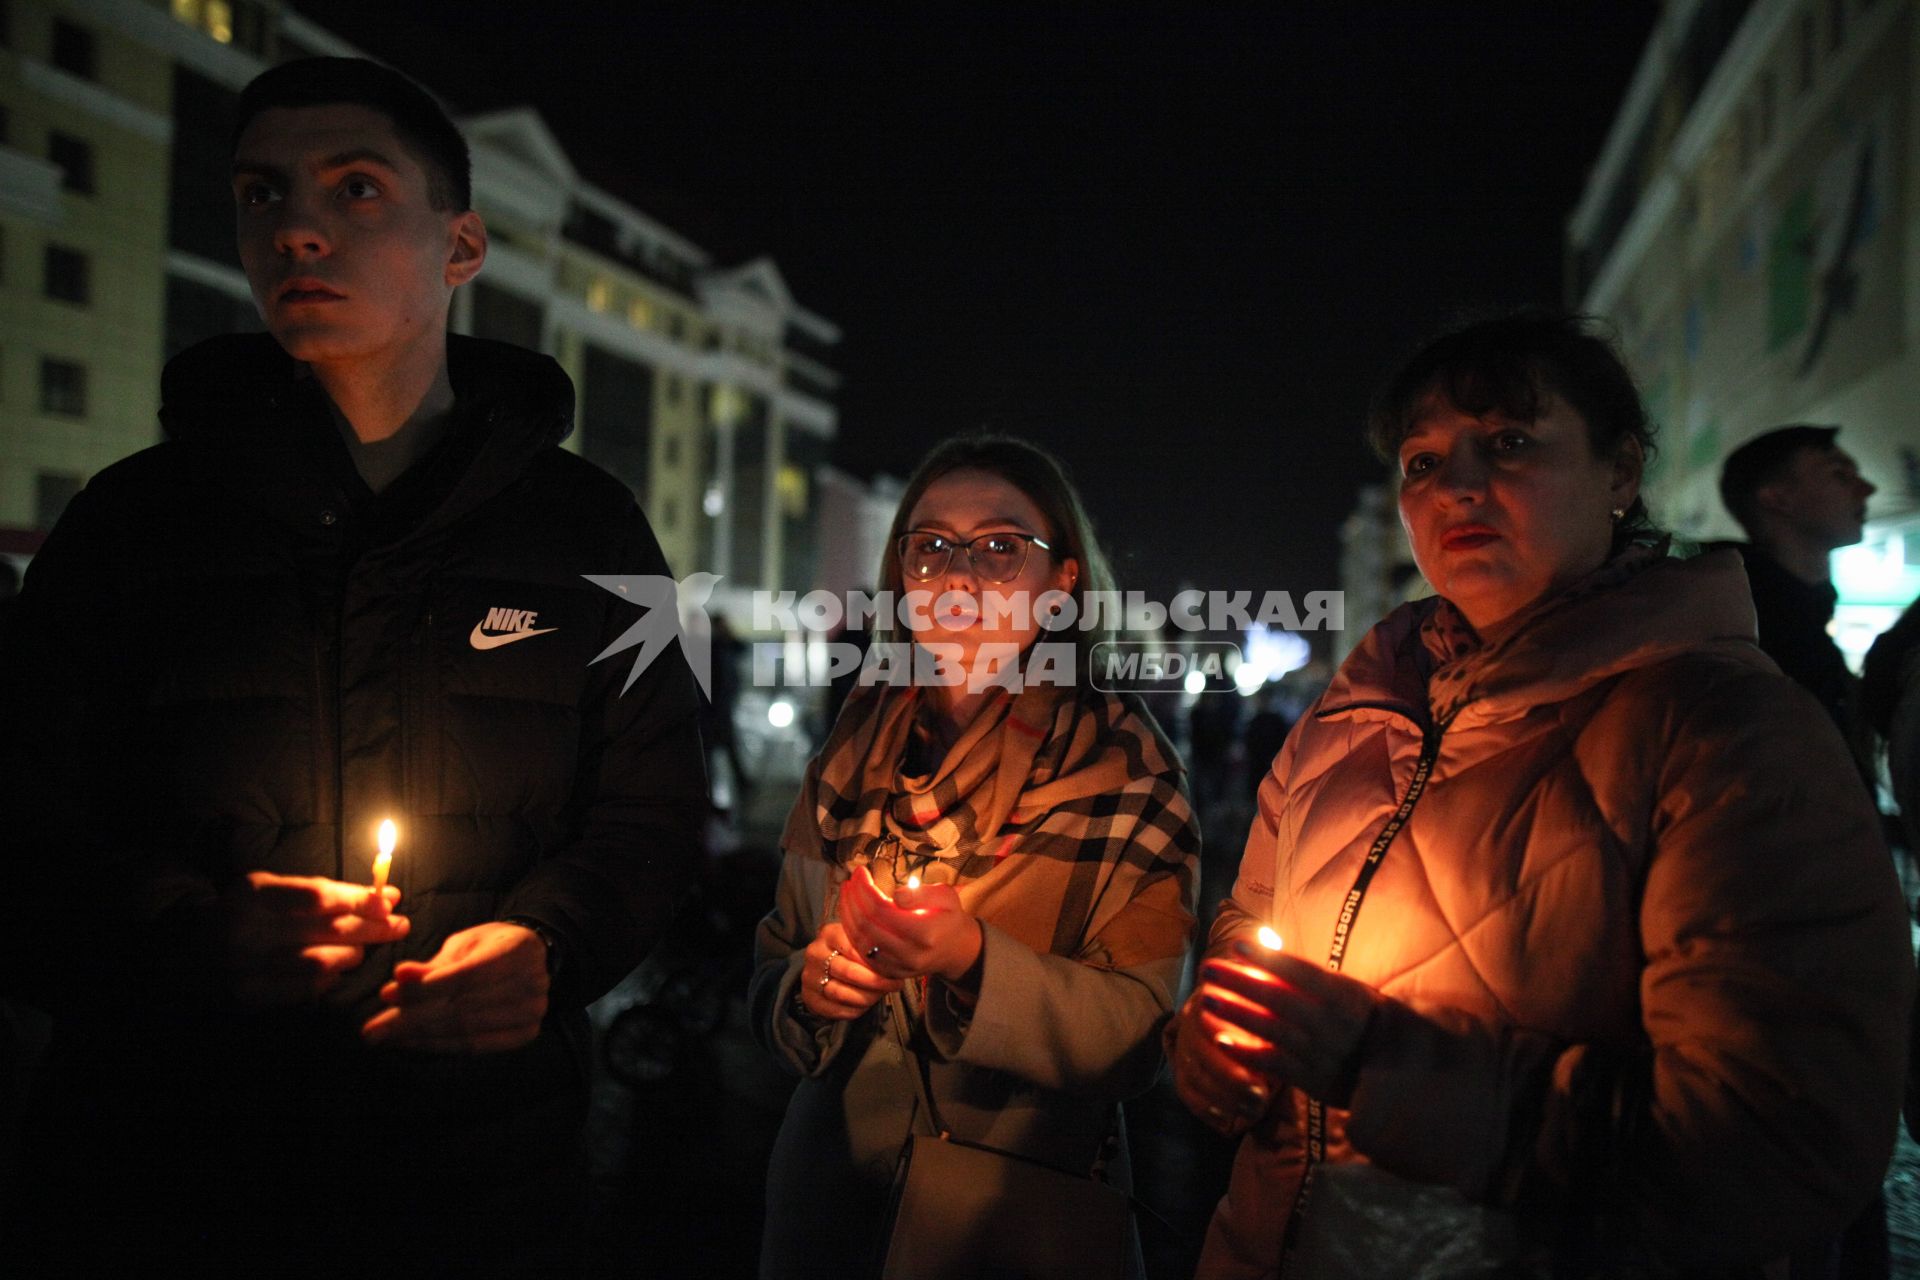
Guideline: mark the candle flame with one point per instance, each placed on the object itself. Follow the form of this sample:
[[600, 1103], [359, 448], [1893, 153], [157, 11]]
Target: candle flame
[[913, 882], [1268, 938], [383, 861]]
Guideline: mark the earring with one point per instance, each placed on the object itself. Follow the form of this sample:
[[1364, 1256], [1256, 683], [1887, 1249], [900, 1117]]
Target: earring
[[1618, 514]]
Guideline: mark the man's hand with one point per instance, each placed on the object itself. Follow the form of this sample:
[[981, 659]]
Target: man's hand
[[287, 939], [916, 932], [485, 992]]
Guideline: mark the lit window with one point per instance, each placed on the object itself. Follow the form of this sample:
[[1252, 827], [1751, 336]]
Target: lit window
[[792, 491], [726, 406], [215, 17], [63, 388], [599, 295], [640, 313]]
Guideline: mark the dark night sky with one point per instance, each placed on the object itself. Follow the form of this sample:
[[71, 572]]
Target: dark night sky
[[1177, 243]]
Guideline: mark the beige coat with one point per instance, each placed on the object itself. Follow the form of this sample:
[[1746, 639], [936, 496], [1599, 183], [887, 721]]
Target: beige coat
[[1646, 955]]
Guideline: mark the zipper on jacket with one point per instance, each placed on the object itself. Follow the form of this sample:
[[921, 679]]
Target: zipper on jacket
[[1342, 934]]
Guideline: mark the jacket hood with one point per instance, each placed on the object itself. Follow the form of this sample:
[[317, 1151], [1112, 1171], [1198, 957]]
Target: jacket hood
[[1670, 608], [222, 387], [237, 400]]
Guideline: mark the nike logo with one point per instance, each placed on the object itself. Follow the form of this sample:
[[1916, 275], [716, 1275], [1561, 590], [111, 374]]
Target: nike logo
[[504, 626]]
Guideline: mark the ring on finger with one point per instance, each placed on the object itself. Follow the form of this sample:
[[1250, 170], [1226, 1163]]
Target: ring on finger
[[873, 952], [826, 972]]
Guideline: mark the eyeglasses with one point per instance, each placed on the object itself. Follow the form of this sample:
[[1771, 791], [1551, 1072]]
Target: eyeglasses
[[996, 557]]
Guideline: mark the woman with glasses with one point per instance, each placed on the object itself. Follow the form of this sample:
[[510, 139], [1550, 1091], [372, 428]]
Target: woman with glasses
[[989, 881], [1592, 961]]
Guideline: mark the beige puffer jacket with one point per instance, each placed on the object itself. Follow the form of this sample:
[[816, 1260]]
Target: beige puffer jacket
[[1646, 957]]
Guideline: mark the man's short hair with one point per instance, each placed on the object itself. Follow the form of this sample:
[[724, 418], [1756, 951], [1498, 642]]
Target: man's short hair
[[1762, 460], [419, 121]]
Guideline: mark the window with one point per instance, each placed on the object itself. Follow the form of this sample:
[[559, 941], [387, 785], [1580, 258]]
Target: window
[[200, 172], [236, 22], [67, 275], [75, 159], [75, 50], [63, 387], [53, 490]]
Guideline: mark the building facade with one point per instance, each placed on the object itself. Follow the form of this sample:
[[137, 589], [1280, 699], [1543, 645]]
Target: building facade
[[1753, 229], [707, 389]]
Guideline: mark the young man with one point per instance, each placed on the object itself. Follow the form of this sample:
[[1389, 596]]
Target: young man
[[347, 588], [1800, 497]]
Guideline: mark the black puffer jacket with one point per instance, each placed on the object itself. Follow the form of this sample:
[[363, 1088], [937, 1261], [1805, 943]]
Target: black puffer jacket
[[237, 658]]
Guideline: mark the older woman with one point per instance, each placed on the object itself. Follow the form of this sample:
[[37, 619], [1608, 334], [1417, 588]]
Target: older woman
[[1049, 833], [1593, 958]]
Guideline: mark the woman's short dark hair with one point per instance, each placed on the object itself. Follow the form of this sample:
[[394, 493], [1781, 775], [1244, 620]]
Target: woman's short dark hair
[[420, 123], [1511, 365], [1043, 479]]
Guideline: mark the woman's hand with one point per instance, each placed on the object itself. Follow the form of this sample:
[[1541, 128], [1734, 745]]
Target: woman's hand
[[834, 984], [1227, 1095], [1290, 1019], [916, 932]]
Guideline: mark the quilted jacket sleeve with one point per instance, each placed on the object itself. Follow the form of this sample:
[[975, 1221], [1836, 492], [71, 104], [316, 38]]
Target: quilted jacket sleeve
[[1760, 1112], [640, 797], [104, 906]]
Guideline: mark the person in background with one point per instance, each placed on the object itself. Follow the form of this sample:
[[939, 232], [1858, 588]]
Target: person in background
[[1050, 833], [1591, 957], [348, 586], [1800, 497]]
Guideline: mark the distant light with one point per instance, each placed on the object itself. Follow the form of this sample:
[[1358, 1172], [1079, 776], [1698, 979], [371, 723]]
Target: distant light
[[780, 713], [1249, 678], [1872, 572], [713, 502], [1196, 683]]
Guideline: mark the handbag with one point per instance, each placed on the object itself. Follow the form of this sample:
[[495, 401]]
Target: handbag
[[963, 1210]]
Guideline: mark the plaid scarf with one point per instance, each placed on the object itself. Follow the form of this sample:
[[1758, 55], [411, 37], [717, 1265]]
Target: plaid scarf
[[1055, 810]]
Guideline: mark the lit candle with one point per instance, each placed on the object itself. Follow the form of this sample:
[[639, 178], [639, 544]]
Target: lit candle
[[1268, 938], [913, 882], [383, 861]]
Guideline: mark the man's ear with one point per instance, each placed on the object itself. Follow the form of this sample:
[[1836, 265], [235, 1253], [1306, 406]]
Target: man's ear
[[466, 248]]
